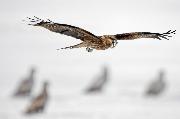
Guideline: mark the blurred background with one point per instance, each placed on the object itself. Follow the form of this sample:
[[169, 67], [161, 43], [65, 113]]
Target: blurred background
[[137, 79]]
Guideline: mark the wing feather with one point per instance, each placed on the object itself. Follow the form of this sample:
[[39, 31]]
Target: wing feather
[[65, 29], [137, 35]]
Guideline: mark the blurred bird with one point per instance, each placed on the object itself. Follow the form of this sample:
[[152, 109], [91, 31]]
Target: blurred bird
[[157, 86], [26, 85], [91, 41], [38, 104], [99, 83]]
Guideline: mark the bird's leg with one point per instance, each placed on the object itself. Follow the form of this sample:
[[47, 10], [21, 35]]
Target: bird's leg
[[114, 43], [89, 49]]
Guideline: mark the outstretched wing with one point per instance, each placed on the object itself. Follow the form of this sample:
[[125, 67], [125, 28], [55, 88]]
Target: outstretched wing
[[137, 35], [65, 29]]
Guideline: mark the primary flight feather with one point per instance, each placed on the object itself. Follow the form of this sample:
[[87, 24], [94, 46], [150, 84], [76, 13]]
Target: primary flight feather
[[91, 41]]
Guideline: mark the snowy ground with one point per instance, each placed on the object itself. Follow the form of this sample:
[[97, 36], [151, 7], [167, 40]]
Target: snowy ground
[[126, 103], [133, 64]]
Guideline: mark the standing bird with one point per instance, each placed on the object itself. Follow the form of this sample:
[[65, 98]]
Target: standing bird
[[99, 83], [91, 41], [26, 85], [158, 86], [39, 103]]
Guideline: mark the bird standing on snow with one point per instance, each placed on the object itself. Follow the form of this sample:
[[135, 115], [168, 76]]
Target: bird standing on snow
[[157, 86], [99, 83], [25, 87], [39, 103]]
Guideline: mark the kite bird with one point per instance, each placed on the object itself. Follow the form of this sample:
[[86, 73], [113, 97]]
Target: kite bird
[[91, 41]]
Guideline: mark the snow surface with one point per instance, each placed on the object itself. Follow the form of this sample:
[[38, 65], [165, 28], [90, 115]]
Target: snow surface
[[133, 64]]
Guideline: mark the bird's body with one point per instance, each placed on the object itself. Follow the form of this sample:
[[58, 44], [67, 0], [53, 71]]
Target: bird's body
[[26, 85], [91, 41], [39, 103], [99, 83], [157, 87]]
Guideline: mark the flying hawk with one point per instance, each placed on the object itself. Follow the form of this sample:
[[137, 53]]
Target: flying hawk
[[91, 41]]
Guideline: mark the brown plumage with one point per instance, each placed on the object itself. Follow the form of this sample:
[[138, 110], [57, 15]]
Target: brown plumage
[[99, 83], [39, 103], [157, 86], [26, 85], [91, 41]]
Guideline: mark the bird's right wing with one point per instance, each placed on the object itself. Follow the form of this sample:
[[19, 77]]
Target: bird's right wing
[[138, 35], [65, 29]]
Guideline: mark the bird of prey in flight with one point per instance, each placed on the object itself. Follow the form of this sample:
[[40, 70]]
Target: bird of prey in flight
[[91, 41]]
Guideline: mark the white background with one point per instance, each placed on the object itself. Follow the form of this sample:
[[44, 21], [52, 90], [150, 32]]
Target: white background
[[133, 64]]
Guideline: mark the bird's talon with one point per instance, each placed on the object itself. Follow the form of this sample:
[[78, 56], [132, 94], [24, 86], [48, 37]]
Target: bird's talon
[[89, 49], [114, 43]]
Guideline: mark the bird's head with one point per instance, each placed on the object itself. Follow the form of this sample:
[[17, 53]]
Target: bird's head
[[108, 41]]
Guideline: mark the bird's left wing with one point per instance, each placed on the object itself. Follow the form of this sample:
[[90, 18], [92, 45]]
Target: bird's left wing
[[65, 29], [137, 35]]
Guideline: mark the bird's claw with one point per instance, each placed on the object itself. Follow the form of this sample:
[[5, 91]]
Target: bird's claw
[[114, 43], [89, 49]]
